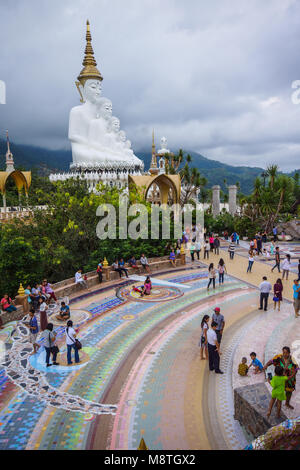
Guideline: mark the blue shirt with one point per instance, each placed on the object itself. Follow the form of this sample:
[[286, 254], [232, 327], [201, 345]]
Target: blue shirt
[[65, 310], [172, 255], [34, 326], [296, 294], [256, 363]]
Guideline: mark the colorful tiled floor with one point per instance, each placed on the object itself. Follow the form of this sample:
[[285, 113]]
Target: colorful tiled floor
[[143, 357]]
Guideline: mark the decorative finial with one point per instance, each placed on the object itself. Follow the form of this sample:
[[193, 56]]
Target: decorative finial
[[142, 445], [21, 290], [105, 263], [9, 157], [90, 70]]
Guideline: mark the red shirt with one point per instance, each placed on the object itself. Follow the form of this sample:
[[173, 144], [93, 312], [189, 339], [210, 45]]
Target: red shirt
[[6, 302]]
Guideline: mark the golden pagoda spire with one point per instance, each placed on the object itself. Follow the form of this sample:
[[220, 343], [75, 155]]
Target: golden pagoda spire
[[90, 70]]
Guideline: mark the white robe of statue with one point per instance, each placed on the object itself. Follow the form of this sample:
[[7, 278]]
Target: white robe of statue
[[95, 134]]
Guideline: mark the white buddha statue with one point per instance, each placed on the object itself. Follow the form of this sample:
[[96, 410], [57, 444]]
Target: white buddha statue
[[93, 131], [164, 146]]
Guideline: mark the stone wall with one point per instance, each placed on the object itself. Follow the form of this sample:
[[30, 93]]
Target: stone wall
[[251, 404]]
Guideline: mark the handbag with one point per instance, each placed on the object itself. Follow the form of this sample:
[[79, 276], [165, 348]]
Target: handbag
[[275, 299], [53, 349], [76, 343]]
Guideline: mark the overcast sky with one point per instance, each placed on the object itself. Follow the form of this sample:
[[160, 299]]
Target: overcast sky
[[212, 76]]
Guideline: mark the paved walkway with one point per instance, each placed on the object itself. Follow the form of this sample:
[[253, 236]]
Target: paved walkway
[[143, 356]]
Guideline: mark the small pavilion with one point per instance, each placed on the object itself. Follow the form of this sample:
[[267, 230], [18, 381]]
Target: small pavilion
[[159, 187], [22, 179]]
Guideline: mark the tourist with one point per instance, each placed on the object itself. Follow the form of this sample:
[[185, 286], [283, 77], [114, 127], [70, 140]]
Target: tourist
[[265, 289], [212, 276], [255, 245], [213, 349], [203, 338], [221, 271], [275, 234], [147, 287], [211, 242], [43, 314], [290, 369], [217, 245], [71, 343], [233, 237], [64, 313], [272, 248], [243, 367], [278, 390], [258, 367], [49, 291], [264, 237], [226, 235], [172, 258], [80, 280], [7, 304], [33, 330], [231, 249], [132, 263], [250, 261], [237, 239], [122, 267], [278, 288], [206, 249], [49, 337], [277, 260], [286, 265], [100, 271], [28, 293], [35, 296], [192, 251], [296, 297], [259, 244], [144, 263], [220, 321], [252, 247], [198, 249], [299, 270], [116, 267], [43, 294]]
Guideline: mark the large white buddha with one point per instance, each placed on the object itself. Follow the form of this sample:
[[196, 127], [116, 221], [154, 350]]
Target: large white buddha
[[93, 131]]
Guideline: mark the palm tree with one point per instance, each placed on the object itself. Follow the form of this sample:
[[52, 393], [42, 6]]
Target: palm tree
[[272, 171]]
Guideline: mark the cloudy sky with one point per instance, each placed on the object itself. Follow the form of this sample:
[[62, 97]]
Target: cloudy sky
[[214, 77]]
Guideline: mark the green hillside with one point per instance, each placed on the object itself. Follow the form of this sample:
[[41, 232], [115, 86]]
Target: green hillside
[[26, 157]]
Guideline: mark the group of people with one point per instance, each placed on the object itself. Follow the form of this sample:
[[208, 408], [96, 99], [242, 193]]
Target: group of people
[[50, 340], [266, 288], [283, 383], [212, 273], [119, 265], [211, 338]]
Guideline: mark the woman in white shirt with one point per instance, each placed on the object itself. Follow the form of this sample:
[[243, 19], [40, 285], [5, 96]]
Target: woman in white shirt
[[251, 261], [212, 276], [71, 344], [286, 265], [203, 338]]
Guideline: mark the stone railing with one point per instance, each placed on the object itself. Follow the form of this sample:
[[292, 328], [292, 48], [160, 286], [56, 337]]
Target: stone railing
[[67, 287]]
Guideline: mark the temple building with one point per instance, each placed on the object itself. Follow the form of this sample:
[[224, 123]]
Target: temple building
[[22, 179]]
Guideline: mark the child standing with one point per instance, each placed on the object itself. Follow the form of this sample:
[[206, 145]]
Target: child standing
[[278, 390], [243, 368], [256, 363]]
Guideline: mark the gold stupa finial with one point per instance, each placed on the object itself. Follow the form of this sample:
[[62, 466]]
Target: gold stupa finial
[[90, 70]]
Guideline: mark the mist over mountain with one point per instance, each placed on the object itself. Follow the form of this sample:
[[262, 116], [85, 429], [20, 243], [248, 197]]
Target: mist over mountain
[[47, 161]]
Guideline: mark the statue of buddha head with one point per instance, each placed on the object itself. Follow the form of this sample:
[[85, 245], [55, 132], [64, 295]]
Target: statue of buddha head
[[106, 109], [122, 136], [91, 91], [114, 125]]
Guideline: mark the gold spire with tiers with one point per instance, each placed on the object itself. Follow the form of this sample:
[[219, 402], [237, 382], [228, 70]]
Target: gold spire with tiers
[[90, 70], [153, 168]]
